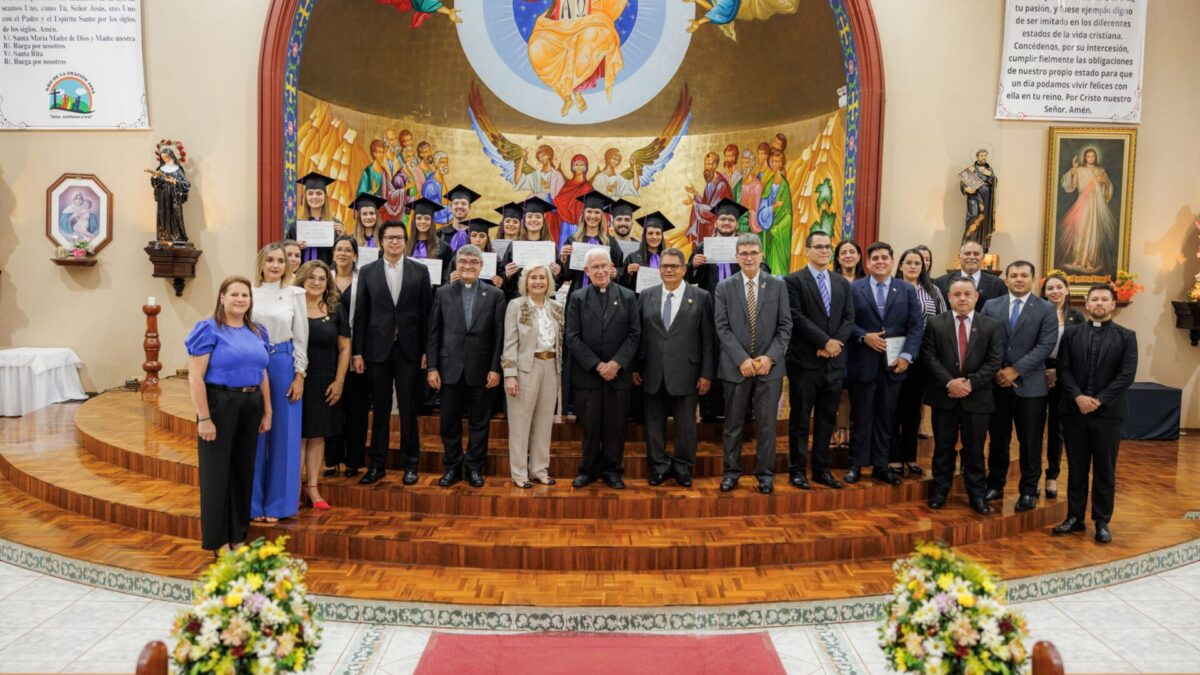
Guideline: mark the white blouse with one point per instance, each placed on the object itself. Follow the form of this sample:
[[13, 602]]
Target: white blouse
[[547, 330], [284, 312]]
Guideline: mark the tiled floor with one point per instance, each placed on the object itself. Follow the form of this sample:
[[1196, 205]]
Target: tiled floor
[[1150, 625]]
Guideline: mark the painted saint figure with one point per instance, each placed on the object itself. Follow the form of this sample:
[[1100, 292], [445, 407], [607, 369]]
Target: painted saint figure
[[981, 204], [716, 187], [775, 216], [171, 188], [574, 44], [1087, 237]]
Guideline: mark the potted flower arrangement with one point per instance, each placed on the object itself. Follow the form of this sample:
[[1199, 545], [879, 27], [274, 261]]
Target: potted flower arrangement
[[251, 614], [80, 248], [946, 615], [1126, 286]]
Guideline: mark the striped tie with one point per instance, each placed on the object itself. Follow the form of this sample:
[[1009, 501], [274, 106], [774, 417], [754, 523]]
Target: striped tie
[[752, 310]]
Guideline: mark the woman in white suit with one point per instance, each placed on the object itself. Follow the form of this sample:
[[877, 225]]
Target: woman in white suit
[[532, 361]]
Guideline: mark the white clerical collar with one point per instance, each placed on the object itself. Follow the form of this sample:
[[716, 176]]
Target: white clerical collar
[[1098, 324]]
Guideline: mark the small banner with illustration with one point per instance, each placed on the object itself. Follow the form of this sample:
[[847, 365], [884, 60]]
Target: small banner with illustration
[[72, 65], [1072, 60]]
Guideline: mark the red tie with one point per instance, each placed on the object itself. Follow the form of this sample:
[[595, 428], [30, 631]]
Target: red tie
[[962, 344]]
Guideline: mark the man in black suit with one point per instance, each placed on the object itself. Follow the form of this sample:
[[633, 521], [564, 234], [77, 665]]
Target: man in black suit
[[466, 337], [970, 260], [822, 318], [962, 351], [603, 329], [391, 311], [1097, 361], [675, 366]]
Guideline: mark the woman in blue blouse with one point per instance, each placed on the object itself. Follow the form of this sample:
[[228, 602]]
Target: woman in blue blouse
[[227, 374]]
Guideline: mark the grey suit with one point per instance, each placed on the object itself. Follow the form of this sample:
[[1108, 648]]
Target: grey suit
[[671, 361], [772, 335], [1026, 348]]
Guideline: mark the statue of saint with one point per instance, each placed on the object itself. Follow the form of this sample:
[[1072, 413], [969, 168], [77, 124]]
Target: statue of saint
[[978, 183], [171, 187]]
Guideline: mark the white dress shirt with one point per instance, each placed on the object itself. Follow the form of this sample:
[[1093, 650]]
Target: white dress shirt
[[395, 277], [676, 300], [1024, 300], [284, 312]]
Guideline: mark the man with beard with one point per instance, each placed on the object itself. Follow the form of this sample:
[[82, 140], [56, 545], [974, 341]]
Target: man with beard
[[730, 164], [622, 222], [716, 188], [747, 190], [454, 235]]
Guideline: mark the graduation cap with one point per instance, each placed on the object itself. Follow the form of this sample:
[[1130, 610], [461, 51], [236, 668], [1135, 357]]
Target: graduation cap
[[425, 207], [656, 220], [537, 205], [462, 192], [622, 207], [728, 207], [479, 225], [595, 200], [510, 210], [315, 181], [367, 199]]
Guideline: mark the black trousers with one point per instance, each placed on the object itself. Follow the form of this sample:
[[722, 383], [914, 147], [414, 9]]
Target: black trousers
[[1028, 415], [604, 414], [1054, 434], [872, 416], [350, 447], [1092, 445], [477, 403], [948, 426], [404, 377], [813, 393], [761, 396], [683, 409], [227, 466], [906, 430]]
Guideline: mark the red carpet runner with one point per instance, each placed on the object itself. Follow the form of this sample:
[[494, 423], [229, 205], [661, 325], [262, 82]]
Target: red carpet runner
[[585, 654]]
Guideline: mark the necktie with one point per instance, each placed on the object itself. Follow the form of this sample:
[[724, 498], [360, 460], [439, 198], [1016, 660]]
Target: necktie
[[667, 311], [962, 344], [880, 298], [468, 302], [1012, 318], [752, 311], [823, 286]]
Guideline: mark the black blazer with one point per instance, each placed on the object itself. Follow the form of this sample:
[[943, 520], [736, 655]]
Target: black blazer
[[990, 286], [1073, 317], [939, 357], [812, 328], [1115, 369], [458, 351], [602, 327], [378, 322], [708, 276], [576, 276], [675, 359]]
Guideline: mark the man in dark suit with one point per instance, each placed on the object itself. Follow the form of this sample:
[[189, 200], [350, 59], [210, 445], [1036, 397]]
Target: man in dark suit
[[970, 260], [962, 350], [1097, 361], [822, 318], [754, 325], [1030, 326], [603, 329], [391, 311], [885, 309], [675, 366], [466, 337]]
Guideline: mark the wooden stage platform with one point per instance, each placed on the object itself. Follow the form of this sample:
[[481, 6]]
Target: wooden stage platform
[[113, 482]]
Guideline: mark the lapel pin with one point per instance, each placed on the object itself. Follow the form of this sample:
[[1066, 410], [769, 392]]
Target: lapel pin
[[689, 301], [614, 303]]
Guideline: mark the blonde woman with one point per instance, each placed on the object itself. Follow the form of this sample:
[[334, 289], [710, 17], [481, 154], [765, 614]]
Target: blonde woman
[[532, 361]]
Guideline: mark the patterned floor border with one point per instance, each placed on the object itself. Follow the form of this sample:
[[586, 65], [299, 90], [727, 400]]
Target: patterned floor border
[[600, 619]]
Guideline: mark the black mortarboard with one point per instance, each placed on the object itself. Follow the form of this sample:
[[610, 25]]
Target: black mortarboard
[[315, 181], [367, 199], [622, 207], [729, 207], [595, 200], [462, 192], [537, 205], [480, 225], [657, 220], [425, 207], [510, 210]]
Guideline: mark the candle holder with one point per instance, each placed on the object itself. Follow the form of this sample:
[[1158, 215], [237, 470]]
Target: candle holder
[[151, 345]]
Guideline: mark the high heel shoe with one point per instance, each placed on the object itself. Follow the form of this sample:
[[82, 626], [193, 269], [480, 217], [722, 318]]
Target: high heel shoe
[[523, 485], [1051, 489], [318, 504]]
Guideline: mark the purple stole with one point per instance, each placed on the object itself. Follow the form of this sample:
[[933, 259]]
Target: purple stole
[[588, 240]]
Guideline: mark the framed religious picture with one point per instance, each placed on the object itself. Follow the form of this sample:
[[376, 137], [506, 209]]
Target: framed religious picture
[[1089, 203], [79, 215]]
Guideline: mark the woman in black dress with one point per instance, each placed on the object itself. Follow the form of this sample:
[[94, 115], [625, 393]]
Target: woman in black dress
[[328, 360], [1057, 291], [653, 227]]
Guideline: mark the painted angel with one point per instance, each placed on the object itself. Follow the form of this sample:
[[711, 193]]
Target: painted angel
[[723, 13], [422, 9]]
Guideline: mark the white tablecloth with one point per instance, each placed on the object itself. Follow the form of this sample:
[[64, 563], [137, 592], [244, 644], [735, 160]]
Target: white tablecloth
[[33, 378]]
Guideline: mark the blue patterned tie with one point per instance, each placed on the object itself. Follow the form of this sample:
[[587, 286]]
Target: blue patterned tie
[[1012, 318], [824, 288], [880, 298], [667, 312]]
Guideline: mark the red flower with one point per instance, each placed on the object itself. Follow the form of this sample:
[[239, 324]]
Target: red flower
[[1006, 626], [238, 651], [961, 651], [193, 626]]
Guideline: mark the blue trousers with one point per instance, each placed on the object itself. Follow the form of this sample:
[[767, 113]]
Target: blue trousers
[[277, 462]]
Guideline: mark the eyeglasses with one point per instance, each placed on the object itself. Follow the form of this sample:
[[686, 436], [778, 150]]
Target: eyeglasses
[[749, 254], [469, 262], [821, 247], [670, 267], [393, 237]]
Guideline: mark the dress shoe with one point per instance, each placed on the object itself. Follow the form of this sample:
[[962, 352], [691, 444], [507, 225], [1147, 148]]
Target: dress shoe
[[981, 507], [523, 484], [614, 482], [1071, 524], [766, 486], [372, 476], [937, 501], [657, 479], [883, 474], [827, 479], [582, 480], [914, 470], [350, 473], [449, 478], [852, 475], [546, 480], [475, 479], [410, 477], [1051, 488], [728, 483], [799, 481], [330, 472], [1103, 535], [683, 479], [993, 494], [1025, 503]]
